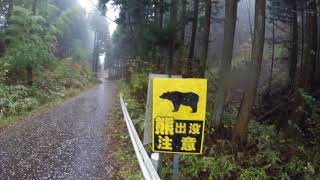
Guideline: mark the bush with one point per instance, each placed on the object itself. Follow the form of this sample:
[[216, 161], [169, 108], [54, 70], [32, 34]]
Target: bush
[[15, 99], [220, 167], [4, 68], [78, 51], [253, 174], [135, 108], [50, 84], [192, 164], [309, 129], [214, 167], [267, 141], [139, 85]]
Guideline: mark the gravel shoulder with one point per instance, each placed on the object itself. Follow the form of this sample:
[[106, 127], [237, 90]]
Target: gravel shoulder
[[123, 162]]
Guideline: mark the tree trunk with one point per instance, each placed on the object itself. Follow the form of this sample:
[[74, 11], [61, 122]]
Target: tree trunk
[[229, 33], [29, 66], [317, 70], [183, 20], [302, 6], [272, 59], [181, 60], [2, 47], [310, 48], [294, 45], [34, 7], [161, 12], [249, 17], [172, 40], [241, 129], [206, 36], [29, 75], [309, 60], [95, 56], [193, 35]]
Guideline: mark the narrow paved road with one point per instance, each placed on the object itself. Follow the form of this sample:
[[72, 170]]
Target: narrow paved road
[[67, 142]]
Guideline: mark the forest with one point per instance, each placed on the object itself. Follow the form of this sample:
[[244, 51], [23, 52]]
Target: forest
[[261, 59], [44, 55]]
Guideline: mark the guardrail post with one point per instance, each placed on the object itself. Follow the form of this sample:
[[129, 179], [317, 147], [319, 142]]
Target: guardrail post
[[155, 157]]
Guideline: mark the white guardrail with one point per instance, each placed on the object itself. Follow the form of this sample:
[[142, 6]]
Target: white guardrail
[[145, 163]]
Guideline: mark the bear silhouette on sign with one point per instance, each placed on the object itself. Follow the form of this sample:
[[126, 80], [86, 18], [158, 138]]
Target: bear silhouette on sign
[[177, 98]]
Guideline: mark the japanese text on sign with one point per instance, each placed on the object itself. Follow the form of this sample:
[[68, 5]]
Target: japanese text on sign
[[178, 115]]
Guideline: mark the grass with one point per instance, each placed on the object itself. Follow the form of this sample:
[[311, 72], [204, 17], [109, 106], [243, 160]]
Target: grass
[[120, 153], [43, 107]]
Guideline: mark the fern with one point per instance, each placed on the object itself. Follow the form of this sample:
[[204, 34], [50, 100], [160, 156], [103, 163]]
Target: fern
[[253, 174], [219, 167]]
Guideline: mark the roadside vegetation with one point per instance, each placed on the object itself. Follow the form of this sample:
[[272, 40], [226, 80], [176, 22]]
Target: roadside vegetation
[[51, 87], [123, 163], [44, 55], [268, 153]]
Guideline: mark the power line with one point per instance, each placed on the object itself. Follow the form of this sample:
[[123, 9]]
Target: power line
[[92, 3]]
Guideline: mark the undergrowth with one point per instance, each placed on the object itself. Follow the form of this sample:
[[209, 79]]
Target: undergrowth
[[120, 153], [268, 153], [50, 87]]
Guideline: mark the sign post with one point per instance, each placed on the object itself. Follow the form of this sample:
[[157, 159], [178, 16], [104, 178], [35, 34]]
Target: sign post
[[147, 137], [178, 116], [176, 166]]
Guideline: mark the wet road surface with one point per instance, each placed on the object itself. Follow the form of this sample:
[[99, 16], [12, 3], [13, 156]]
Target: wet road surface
[[67, 142]]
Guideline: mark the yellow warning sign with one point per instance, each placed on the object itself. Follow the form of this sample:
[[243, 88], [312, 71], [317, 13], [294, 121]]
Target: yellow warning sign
[[179, 110]]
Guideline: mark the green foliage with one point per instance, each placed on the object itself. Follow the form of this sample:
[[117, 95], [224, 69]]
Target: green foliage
[[33, 38], [295, 166], [126, 165], [267, 143], [241, 63], [27, 46], [62, 23], [55, 84], [253, 174], [215, 167], [218, 167], [139, 85], [66, 75], [281, 51], [310, 129], [192, 164], [166, 172], [4, 67], [78, 51], [23, 25], [274, 154], [29, 52], [261, 135], [307, 99], [32, 41], [135, 108], [135, 91], [269, 156], [15, 99]]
